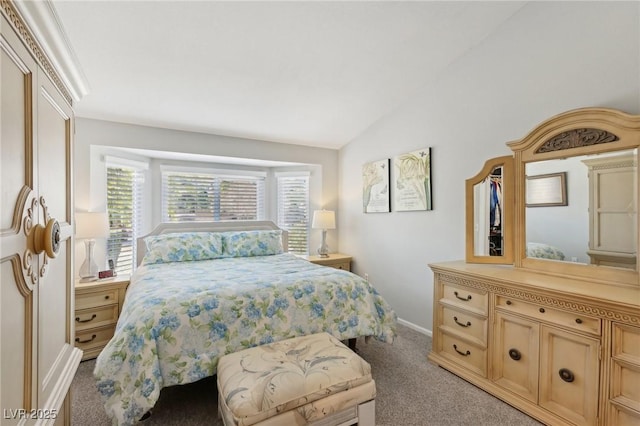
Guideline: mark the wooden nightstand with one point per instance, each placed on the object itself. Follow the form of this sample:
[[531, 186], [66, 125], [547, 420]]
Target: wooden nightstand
[[98, 305], [335, 260]]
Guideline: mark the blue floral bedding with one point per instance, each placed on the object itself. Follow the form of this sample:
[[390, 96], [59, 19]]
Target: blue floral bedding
[[179, 318]]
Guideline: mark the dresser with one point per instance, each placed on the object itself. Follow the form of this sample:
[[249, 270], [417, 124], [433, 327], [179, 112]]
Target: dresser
[[558, 340], [335, 260], [98, 306]]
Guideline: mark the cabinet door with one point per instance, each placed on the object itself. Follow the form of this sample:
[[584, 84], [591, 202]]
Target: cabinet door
[[569, 371], [515, 355], [18, 184], [37, 361]]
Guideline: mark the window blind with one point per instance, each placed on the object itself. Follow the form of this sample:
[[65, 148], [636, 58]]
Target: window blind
[[199, 196], [124, 205], [293, 211]]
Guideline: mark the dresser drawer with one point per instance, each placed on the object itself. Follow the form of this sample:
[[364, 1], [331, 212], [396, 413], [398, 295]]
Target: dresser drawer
[[626, 343], [94, 299], [457, 321], [463, 353], [465, 297], [623, 416], [96, 317], [570, 320], [625, 384]]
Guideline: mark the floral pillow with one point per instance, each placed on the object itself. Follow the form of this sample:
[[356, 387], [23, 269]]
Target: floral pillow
[[183, 246], [544, 251], [252, 243]]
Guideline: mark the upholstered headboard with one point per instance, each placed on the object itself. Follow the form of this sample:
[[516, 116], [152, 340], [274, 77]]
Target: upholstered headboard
[[222, 226]]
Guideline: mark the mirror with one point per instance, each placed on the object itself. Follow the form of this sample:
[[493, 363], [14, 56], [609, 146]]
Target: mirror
[[576, 186], [583, 209], [489, 197]]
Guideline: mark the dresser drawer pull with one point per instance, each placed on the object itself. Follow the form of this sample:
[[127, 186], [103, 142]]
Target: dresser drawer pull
[[468, 324], [566, 375], [455, 348], [515, 354], [86, 320], [578, 320], [106, 297], [508, 302], [86, 341], [462, 298], [541, 310]]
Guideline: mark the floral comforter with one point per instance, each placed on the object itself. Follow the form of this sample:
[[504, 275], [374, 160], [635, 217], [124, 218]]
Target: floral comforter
[[179, 318]]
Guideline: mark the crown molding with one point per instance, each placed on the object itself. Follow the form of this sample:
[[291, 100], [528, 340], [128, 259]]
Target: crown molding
[[44, 24]]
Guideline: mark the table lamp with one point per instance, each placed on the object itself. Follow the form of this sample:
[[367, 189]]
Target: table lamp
[[324, 219]]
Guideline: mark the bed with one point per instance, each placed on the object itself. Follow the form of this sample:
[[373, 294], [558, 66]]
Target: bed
[[204, 290]]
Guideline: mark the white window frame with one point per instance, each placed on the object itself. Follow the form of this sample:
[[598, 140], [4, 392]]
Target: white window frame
[[126, 264], [216, 176], [285, 218]]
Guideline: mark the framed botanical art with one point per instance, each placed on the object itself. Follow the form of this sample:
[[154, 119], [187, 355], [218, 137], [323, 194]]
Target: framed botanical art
[[375, 187], [412, 181]]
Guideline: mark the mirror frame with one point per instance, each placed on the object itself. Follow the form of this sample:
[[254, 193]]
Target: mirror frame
[[507, 217], [578, 132]]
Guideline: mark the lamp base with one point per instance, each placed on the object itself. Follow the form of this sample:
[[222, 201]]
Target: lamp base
[[323, 251], [89, 268]]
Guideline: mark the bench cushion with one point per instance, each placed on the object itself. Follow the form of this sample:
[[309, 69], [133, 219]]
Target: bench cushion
[[261, 382]]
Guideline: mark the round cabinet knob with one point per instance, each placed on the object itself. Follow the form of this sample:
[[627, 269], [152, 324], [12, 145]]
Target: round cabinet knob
[[47, 238], [566, 375], [515, 354]]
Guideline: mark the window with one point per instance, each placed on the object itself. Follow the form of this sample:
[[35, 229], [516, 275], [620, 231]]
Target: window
[[211, 196], [293, 210], [125, 182]]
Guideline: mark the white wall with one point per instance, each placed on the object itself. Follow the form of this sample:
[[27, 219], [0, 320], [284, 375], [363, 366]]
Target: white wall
[[549, 58], [95, 138]]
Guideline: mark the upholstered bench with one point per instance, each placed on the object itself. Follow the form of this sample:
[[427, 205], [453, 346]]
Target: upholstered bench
[[298, 381]]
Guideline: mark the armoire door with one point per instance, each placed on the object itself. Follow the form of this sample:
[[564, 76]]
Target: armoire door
[[37, 356]]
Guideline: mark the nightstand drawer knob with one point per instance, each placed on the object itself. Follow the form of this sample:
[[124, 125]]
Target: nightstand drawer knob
[[86, 341], [106, 297], [86, 320]]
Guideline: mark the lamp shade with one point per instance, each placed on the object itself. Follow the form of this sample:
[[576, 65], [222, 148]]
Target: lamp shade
[[92, 225], [324, 219]]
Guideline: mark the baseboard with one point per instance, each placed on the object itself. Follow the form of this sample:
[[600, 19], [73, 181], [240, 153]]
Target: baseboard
[[415, 327]]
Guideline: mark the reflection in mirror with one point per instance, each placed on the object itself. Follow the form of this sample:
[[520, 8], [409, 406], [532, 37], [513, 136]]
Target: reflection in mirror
[[597, 225], [488, 218]]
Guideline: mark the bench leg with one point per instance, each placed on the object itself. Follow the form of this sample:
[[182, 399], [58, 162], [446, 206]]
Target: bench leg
[[367, 413], [352, 344]]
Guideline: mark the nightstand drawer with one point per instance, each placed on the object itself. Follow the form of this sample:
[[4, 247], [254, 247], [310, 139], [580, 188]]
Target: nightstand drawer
[[96, 317], [344, 266], [95, 299], [94, 338]]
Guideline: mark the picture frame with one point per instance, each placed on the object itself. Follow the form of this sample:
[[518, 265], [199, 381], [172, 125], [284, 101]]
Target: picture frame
[[548, 190], [412, 181], [375, 187]]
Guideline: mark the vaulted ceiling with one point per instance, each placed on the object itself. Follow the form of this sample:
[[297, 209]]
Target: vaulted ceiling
[[302, 72]]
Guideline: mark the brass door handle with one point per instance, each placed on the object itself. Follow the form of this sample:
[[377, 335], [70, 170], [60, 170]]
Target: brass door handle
[[47, 238]]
